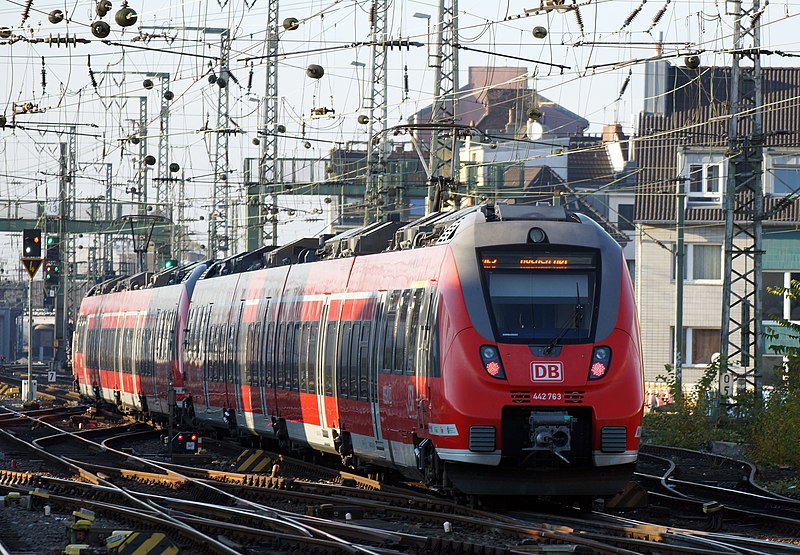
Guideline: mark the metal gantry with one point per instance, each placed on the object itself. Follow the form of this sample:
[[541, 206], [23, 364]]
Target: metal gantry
[[741, 345]]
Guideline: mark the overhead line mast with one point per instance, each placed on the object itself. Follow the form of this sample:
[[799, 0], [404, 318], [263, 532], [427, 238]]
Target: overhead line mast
[[741, 331], [443, 146], [376, 196]]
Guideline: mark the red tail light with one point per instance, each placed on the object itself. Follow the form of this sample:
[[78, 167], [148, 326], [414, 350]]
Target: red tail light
[[490, 357], [180, 437], [601, 358], [194, 437]]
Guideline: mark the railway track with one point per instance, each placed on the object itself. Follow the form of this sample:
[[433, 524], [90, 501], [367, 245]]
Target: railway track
[[311, 509], [722, 489]]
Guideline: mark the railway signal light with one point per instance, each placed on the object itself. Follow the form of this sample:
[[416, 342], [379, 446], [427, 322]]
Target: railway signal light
[[31, 243], [53, 247], [170, 263], [52, 271]]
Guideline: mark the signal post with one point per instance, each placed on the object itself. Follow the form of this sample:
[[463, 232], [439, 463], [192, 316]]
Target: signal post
[[32, 260]]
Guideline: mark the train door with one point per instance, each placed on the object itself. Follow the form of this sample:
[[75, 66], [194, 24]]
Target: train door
[[136, 357], [235, 362], [326, 363], [425, 355], [376, 363]]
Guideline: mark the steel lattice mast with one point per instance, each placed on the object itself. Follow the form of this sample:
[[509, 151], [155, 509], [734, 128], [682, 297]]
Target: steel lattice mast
[[269, 128], [219, 218], [741, 334], [444, 153], [376, 197]]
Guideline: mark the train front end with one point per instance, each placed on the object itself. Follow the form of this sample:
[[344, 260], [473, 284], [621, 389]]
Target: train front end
[[541, 370]]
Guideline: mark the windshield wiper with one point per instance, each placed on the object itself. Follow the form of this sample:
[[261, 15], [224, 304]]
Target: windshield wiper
[[573, 321]]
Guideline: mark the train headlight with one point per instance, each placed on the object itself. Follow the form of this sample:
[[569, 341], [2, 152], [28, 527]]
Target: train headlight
[[490, 357], [601, 358], [537, 235]]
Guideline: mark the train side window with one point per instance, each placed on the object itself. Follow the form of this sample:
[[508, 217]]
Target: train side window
[[389, 319], [269, 356], [344, 359], [400, 333], [313, 345], [280, 356], [364, 361], [434, 370], [329, 361], [302, 344], [354, 356], [413, 330], [295, 364]]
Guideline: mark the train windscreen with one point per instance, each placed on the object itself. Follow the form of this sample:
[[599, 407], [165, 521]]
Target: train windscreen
[[542, 297]]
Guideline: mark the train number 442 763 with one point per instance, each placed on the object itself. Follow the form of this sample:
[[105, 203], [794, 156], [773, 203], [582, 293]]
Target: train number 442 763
[[550, 396]]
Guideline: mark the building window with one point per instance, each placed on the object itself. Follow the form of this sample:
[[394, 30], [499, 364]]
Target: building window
[[705, 183], [785, 180], [625, 217], [703, 262], [775, 305], [699, 345]]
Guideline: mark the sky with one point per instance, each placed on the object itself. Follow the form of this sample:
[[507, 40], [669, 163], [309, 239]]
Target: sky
[[591, 61]]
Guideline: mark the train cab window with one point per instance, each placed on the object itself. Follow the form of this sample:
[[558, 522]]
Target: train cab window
[[541, 297]]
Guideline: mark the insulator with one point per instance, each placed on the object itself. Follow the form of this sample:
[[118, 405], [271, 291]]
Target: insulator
[[250, 79], [26, 10], [135, 140], [44, 77], [625, 85], [101, 29], [91, 73], [173, 167], [659, 14], [405, 80], [3, 120], [291, 23], [150, 160], [102, 7], [579, 19], [212, 79], [539, 32], [634, 13], [126, 17], [56, 16], [315, 71]]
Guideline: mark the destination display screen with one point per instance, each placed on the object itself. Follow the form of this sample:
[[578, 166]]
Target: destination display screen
[[539, 261]]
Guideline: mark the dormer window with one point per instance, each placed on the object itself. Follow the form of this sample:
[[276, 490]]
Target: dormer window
[[704, 175], [705, 184]]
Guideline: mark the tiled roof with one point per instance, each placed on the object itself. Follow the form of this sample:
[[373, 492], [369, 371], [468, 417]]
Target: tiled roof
[[588, 161], [697, 116]]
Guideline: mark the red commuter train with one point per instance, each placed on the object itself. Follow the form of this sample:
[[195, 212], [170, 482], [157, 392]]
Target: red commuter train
[[491, 351]]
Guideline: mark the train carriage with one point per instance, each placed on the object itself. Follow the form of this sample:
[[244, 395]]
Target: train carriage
[[493, 350]]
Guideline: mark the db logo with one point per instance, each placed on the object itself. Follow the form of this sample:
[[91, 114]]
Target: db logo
[[547, 372]]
